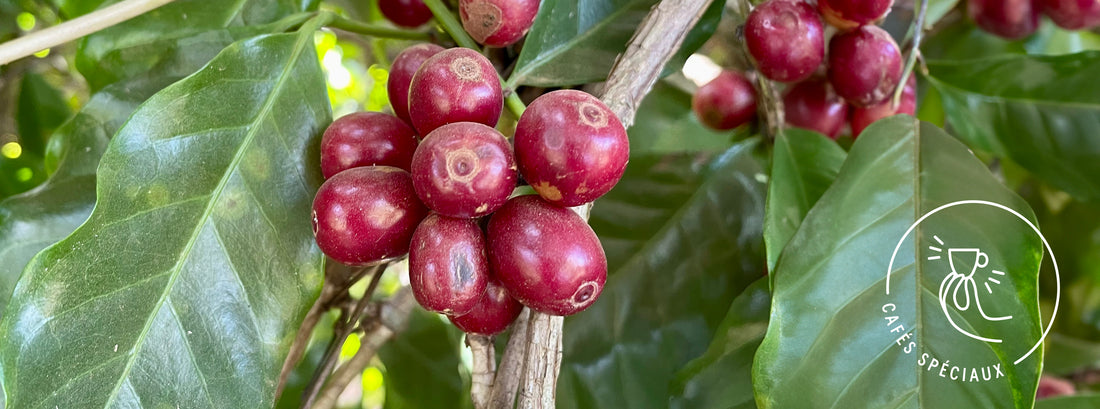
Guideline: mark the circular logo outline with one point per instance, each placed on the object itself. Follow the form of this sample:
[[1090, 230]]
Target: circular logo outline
[[1046, 245]]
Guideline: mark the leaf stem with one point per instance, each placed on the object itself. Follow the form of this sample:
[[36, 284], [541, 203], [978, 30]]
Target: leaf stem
[[75, 28], [914, 52], [377, 30]]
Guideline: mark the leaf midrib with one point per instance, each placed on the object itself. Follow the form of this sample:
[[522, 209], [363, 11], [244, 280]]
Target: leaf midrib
[[1015, 99], [540, 59], [265, 111], [918, 270]]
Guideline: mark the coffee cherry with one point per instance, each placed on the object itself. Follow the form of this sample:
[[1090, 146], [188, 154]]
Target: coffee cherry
[[726, 102], [497, 23], [366, 214], [493, 313], [1011, 19], [1051, 386], [464, 169], [570, 147], [786, 38], [813, 105], [456, 85], [1073, 14], [862, 117], [864, 65], [365, 139], [401, 74], [849, 14], [405, 13], [448, 269], [546, 256]]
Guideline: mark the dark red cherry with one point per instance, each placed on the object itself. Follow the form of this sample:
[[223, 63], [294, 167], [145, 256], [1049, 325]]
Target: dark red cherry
[[464, 169], [365, 139], [448, 269], [405, 13], [366, 214], [863, 117], [493, 313], [546, 256], [864, 65], [813, 105], [1073, 14], [849, 14], [726, 102], [1011, 19], [401, 75], [786, 38], [570, 147], [497, 23], [456, 85]]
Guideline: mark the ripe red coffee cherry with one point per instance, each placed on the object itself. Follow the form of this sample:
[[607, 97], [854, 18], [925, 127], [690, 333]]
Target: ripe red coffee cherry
[[864, 65], [786, 38], [497, 23], [726, 102], [493, 313], [456, 85], [570, 147], [1011, 19], [365, 139], [464, 169], [862, 117], [849, 14], [448, 269], [813, 105], [405, 13], [401, 75], [546, 256], [366, 214], [1073, 14]]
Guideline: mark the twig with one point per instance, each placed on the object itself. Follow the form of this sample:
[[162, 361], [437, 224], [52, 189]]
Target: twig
[[506, 381], [543, 362], [75, 28], [484, 366], [375, 30], [914, 51], [391, 319]]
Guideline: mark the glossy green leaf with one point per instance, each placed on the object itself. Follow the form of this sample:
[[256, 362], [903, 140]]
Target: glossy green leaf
[[1066, 355], [937, 9], [663, 302], [40, 109], [1053, 40], [804, 164], [170, 38], [722, 377], [189, 279], [576, 42], [665, 123], [831, 341], [425, 357], [1043, 112], [1069, 402]]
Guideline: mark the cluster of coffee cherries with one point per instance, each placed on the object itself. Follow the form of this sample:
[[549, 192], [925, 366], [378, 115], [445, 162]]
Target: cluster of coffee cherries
[[494, 23], [852, 84], [1016, 19], [436, 182]]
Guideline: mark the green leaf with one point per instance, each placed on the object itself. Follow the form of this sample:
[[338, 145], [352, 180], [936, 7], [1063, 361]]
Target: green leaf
[[1053, 40], [1069, 402], [167, 40], [1042, 112], [576, 42], [665, 123], [1065, 355], [39, 111], [39, 218], [425, 357], [189, 279], [722, 377], [937, 9], [804, 164], [662, 304], [831, 336], [965, 41]]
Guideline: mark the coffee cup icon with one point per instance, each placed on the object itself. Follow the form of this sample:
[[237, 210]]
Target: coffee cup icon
[[959, 289]]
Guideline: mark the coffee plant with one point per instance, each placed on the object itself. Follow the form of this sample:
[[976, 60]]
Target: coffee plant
[[550, 204]]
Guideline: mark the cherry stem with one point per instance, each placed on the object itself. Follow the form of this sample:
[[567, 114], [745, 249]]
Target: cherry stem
[[914, 52], [376, 30], [453, 27]]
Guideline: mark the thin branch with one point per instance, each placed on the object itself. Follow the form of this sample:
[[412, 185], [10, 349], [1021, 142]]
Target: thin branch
[[391, 319], [914, 52], [75, 28], [484, 367], [543, 362], [506, 381], [375, 30]]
